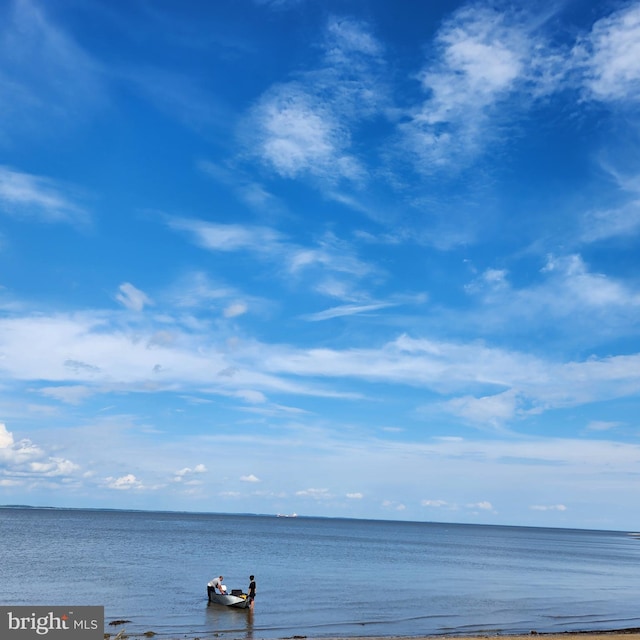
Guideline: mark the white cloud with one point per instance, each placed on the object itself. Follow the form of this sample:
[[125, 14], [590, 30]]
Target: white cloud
[[567, 293], [347, 310], [298, 135], [26, 195], [251, 396], [550, 507], [355, 496], [494, 411], [196, 290], [611, 55], [250, 478], [617, 222], [23, 461], [234, 310], [581, 287], [278, 5], [351, 76], [70, 394], [329, 255], [131, 297], [124, 483], [110, 353], [304, 128], [113, 352], [316, 494], [229, 237], [394, 505], [230, 494], [481, 58], [346, 37], [484, 57], [489, 281], [485, 505], [538, 466], [603, 425], [185, 475], [6, 438], [434, 503]]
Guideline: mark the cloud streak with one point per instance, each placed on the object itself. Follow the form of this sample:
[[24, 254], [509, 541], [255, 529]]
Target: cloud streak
[[47, 79], [29, 196]]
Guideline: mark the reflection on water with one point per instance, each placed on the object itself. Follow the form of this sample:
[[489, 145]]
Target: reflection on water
[[249, 634], [229, 619]]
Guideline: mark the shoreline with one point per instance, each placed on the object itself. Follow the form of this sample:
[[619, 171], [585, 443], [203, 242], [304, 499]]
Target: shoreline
[[613, 634]]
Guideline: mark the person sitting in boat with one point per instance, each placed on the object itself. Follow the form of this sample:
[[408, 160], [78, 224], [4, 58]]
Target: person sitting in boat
[[216, 583]]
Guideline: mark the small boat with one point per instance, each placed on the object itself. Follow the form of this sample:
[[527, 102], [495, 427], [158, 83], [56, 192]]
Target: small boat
[[235, 599]]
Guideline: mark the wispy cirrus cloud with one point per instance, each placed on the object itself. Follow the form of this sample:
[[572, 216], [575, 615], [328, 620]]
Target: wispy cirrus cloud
[[329, 254], [615, 222], [603, 425], [480, 384], [347, 310], [483, 385], [548, 507], [46, 76], [438, 504], [278, 5], [180, 96], [315, 494], [70, 394], [483, 57], [30, 196], [228, 237], [610, 56], [244, 184], [298, 136], [196, 289], [132, 297], [621, 219], [305, 127]]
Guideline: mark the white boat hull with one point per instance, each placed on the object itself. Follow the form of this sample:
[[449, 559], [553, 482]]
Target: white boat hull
[[239, 602]]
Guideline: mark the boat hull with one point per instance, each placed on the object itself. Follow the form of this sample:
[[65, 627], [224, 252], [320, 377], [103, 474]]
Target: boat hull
[[238, 602]]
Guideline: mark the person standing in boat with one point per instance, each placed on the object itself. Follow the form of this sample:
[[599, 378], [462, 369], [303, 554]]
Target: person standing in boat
[[216, 583], [252, 591]]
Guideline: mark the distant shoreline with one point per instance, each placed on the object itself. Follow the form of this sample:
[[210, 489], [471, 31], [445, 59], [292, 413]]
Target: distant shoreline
[[633, 533]]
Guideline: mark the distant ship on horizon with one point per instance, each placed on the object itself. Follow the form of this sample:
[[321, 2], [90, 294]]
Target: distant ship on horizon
[[286, 515]]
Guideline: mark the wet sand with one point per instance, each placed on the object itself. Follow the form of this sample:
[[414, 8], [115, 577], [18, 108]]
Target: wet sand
[[620, 634]]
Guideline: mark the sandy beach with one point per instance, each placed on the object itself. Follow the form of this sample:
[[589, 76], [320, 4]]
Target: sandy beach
[[620, 634]]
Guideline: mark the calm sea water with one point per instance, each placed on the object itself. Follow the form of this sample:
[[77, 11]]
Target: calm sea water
[[319, 577]]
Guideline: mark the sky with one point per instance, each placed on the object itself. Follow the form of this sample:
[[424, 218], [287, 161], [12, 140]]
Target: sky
[[342, 258]]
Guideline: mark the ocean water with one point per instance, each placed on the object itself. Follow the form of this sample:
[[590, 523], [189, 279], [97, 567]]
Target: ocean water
[[318, 577]]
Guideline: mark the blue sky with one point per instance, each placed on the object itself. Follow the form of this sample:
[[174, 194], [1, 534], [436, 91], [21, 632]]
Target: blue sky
[[362, 259]]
